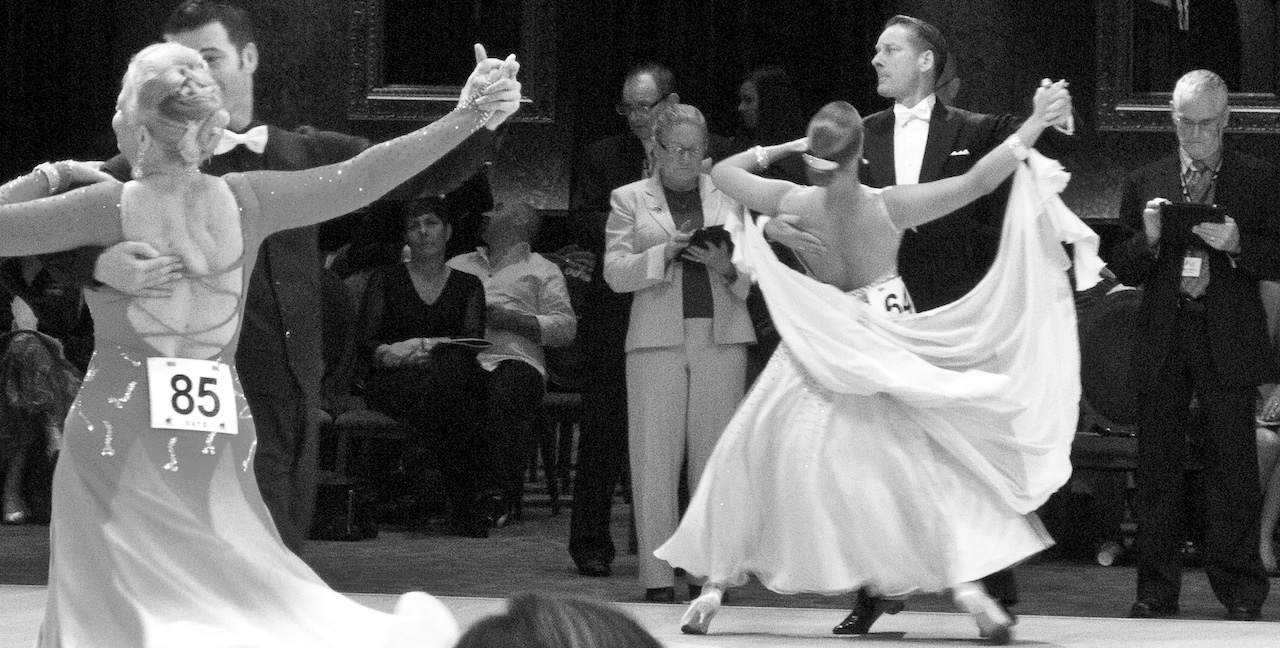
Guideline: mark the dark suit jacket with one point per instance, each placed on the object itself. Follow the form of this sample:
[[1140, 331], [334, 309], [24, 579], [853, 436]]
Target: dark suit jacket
[[1237, 326], [942, 260]]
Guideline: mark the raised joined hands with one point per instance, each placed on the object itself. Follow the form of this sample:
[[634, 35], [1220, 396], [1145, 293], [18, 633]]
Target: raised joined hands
[[493, 87]]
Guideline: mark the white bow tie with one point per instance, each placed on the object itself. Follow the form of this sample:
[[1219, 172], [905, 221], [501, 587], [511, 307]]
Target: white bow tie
[[903, 114], [254, 139]]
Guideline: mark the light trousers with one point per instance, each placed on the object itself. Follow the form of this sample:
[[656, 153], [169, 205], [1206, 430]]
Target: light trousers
[[679, 400]]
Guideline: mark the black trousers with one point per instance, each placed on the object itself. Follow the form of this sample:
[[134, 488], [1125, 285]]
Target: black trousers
[[602, 458], [514, 390], [285, 460], [439, 400], [1232, 493]]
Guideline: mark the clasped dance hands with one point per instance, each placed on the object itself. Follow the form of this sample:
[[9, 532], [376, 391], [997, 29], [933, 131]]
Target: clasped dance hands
[[492, 87]]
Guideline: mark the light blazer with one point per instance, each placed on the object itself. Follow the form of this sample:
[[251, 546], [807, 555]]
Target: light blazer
[[639, 223]]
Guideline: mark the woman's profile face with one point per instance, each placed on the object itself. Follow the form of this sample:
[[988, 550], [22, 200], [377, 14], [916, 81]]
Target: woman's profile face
[[426, 234], [749, 104]]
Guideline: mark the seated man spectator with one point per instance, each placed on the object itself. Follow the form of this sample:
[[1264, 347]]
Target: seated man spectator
[[527, 308]]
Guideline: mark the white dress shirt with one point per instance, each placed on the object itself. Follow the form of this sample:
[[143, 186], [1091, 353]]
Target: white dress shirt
[[910, 134], [528, 283]]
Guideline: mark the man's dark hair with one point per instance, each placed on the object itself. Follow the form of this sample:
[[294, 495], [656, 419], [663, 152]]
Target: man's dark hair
[[930, 37], [662, 76], [194, 14]]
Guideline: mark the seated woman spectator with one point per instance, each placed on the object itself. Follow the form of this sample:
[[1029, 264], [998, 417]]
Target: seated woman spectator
[[412, 314], [1269, 440], [539, 621], [39, 385]]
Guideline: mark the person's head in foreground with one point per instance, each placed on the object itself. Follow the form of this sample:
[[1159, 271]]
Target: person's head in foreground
[[535, 620]]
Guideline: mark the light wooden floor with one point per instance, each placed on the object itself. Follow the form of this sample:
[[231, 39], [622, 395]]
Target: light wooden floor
[[782, 627]]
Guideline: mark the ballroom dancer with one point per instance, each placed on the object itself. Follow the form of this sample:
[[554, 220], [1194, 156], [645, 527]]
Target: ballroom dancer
[[912, 449], [159, 534]]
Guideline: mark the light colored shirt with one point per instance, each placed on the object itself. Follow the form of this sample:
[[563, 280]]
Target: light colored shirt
[[909, 139], [526, 282]]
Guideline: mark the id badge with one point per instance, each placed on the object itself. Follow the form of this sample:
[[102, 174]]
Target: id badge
[[890, 299], [191, 394], [1191, 266]]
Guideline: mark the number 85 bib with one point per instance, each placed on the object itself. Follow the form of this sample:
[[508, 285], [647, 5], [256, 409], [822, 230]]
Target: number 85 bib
[[191, 394]]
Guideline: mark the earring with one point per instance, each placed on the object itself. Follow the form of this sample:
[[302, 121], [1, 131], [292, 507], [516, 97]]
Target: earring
[[406, 254]]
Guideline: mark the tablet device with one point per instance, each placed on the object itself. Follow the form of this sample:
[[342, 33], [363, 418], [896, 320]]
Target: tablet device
[[1177, 219], [711, 234]]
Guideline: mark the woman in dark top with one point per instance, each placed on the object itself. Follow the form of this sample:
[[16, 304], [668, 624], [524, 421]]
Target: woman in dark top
[[413, 315]]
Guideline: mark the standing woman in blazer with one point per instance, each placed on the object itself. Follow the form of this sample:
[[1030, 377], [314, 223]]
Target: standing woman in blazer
[[687, 339]]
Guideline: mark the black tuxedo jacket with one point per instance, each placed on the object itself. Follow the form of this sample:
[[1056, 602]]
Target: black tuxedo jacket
[[942, 260], [1237, 325]]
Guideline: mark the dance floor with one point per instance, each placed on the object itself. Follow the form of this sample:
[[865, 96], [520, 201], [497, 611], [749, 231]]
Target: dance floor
[[782, 627]]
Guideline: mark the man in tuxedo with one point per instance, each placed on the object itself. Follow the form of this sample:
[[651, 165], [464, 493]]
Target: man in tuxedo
[[920, 140], [279, 358], [1201, 335]]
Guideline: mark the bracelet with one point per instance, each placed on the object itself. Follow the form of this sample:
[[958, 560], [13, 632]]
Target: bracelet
[[762, 158], [53, 176], [1017, 147]]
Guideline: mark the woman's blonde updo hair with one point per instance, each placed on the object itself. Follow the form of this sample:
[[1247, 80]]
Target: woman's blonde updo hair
[[835, 134], [169, 93], [670, 116]]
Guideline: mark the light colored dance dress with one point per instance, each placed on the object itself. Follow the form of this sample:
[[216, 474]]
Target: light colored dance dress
[[900, 454], [159, 537]]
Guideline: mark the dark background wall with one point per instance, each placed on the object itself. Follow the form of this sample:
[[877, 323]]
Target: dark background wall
[[60, 65]]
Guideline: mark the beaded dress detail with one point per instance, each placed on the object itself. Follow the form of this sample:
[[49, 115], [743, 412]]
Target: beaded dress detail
[[160, 537], [903, 453]]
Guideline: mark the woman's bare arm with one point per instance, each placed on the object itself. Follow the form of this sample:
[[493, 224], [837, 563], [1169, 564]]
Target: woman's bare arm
[[736, 176], [913, 205]]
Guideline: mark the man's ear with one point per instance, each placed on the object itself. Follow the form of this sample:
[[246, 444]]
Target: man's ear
[[249, 57], [926, 61]]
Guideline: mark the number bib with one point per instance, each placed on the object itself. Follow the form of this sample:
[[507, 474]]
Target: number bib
[[889, 299], [191, 395]]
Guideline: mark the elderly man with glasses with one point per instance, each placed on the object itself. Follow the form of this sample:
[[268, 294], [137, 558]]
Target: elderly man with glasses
[[1201, 336]]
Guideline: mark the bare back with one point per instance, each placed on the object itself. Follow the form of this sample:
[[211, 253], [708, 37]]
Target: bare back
[[862, 240], [195, 218]]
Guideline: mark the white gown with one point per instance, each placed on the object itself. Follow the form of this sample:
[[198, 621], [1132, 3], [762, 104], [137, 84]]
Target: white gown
[[902, 454]]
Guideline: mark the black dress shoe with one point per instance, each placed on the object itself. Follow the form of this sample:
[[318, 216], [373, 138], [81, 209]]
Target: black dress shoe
[[1152, 609], [660, 595], [865, 612], [594, 567], [1240, 612]]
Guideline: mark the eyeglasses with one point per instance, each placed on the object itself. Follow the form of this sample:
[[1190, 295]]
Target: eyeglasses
[[680, 151], [1193, 125], [625, 108]]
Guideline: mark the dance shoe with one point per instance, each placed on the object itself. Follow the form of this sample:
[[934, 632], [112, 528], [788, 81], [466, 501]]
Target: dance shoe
[[594, 567], [1152, 608], [660, 595], [701, 610], [994, 624], [866, 610], [1244, 612]]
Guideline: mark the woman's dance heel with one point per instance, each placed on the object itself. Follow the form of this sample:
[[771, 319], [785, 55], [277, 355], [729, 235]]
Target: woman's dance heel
[[994, 624], [701, 610]]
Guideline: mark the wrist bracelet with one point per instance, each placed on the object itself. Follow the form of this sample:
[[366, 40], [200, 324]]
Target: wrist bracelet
[[53, 176], [762, 158], [1017, 147]]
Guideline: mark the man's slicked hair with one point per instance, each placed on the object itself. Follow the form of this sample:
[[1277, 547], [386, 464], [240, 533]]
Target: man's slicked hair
[[194, 14], [930, 38]]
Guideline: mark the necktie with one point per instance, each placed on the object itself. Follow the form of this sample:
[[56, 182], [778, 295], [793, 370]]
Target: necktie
[[254, 139], [903, 114], [1198, 182]]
